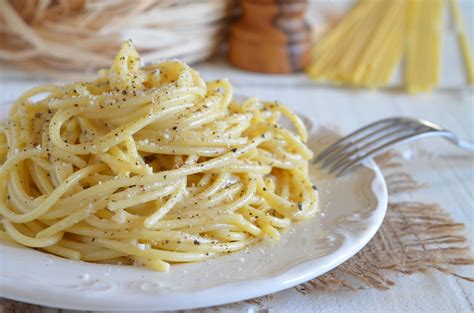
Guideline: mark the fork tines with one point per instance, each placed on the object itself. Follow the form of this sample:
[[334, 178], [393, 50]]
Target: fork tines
[[372, 139]]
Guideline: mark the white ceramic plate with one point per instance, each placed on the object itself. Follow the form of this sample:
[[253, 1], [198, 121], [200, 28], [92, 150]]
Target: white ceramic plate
[[353, 208]]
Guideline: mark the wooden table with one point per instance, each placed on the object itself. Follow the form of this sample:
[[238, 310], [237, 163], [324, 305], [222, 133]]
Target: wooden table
[[448, 171]]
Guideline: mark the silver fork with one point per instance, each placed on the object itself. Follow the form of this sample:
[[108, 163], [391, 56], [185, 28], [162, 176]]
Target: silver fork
[[375, 138]]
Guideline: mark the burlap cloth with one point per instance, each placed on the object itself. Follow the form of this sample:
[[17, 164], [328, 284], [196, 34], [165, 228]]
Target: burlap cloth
[[414, 237]]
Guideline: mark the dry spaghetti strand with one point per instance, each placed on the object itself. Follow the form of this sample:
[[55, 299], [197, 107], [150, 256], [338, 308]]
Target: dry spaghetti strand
[[424, 47], [463, 42], [365, 47]]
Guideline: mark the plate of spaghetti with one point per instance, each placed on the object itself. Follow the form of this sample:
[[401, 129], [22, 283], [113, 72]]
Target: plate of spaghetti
[[153, 189]]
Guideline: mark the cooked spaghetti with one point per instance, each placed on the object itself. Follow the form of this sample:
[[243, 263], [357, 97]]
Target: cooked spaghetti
[[151, 166]]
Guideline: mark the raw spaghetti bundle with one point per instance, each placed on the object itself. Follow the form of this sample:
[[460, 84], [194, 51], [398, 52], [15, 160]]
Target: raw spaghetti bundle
[[149, 166], [83, 35], [366, 47]]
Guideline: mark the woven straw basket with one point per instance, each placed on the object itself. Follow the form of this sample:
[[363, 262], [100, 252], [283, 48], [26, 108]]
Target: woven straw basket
[[58, 36]]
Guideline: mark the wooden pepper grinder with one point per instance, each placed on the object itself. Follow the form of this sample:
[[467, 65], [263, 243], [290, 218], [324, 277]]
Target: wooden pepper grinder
[[271, 36]]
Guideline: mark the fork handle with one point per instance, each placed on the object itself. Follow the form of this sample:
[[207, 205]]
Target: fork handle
[[463, 144]]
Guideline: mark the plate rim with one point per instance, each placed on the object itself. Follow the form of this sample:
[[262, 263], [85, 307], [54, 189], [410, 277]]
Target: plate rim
[[248, 288]]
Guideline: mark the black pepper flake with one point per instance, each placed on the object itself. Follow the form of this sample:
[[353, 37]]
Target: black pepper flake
[[234, 150], [314, 187], [300, 206], [175, 128], [124, 92], [196, 242]]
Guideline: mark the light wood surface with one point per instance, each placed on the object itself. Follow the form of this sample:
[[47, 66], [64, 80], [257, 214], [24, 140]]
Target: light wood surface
[[448, 171]]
